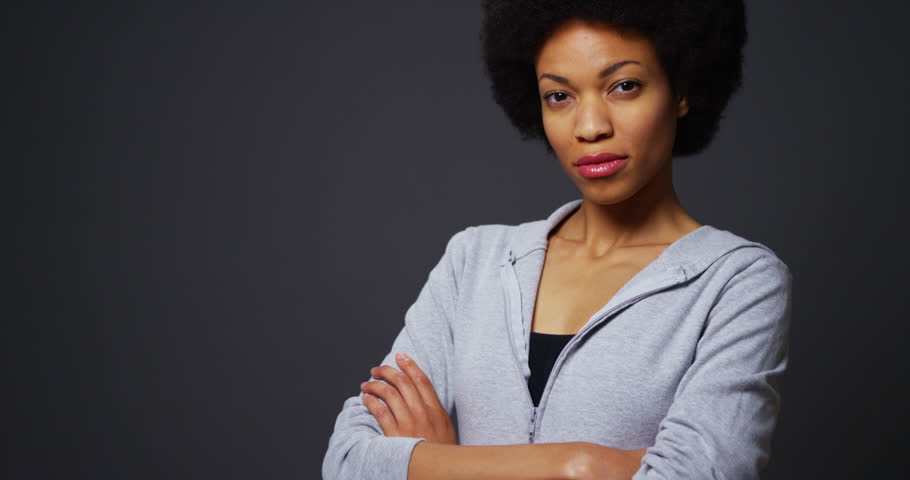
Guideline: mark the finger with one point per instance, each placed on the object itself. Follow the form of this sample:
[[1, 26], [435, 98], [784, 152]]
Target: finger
[[382, 414], [421, 382], [392, 398], [405, 386]]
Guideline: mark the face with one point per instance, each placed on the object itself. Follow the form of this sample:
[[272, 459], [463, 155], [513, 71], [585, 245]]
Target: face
[[603, 91]]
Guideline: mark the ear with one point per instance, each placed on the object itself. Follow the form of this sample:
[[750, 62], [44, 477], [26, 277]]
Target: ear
[[682, 107]]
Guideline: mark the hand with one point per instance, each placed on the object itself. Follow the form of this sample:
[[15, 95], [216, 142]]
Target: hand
[[604, 463], [415, 409]]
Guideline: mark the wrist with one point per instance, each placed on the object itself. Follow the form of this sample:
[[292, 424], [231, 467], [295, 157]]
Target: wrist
[[586, 461], [577, 461]]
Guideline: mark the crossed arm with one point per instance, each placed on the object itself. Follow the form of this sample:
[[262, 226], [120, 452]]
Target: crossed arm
[[412, 409]]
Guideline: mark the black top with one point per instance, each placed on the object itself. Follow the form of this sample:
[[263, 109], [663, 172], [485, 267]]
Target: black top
[[542, 355]]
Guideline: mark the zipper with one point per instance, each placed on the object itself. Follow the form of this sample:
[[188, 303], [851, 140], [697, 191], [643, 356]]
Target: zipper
[[508, 294]]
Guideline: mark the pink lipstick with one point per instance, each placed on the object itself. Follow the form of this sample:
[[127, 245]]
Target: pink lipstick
[[600, 165]]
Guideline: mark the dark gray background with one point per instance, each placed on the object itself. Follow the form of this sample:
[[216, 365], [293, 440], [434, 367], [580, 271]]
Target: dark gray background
[[218, 214]]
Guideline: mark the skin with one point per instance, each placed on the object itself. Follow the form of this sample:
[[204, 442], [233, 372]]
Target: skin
[[626, 219], [624, 222]]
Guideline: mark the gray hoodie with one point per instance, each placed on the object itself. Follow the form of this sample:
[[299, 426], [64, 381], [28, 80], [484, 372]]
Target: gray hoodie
[[684, 360]]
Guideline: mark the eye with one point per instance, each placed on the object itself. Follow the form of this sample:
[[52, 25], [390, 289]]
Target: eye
[[556, 98], [627, 87]]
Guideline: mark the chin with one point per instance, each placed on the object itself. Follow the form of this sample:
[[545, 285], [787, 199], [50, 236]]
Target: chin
[[606, 195]]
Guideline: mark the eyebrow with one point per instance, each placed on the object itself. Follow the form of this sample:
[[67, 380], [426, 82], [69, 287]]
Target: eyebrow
[[603, 73]]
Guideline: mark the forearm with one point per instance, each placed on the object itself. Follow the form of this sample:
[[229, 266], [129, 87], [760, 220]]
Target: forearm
[[540, 461]]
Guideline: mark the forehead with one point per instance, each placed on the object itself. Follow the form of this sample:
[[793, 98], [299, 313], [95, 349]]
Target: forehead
[[579, 45]]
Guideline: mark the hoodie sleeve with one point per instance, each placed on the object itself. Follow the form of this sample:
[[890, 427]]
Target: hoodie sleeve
[[720, 423], [358, 449]]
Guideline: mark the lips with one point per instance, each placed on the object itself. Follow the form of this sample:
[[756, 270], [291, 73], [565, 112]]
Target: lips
[[598, 158], [600, 165]]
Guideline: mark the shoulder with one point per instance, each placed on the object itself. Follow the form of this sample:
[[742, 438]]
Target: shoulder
[[741, 256], [481, 243], [497, 242], [483, 248], [746, 292], [749, 274]]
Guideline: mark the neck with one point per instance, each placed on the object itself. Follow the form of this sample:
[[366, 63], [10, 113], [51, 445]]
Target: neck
[[652, 216]]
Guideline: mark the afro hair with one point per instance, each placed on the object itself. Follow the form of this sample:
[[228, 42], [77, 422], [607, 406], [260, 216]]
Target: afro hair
[[699, 44]]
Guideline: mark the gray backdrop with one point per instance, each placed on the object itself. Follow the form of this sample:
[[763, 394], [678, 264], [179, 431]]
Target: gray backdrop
[[217, 215]]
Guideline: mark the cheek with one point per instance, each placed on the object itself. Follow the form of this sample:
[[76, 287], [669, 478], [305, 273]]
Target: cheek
[[556, 131], [649, 129]]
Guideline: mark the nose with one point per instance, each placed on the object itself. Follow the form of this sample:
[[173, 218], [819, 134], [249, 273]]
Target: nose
[[593, 122]]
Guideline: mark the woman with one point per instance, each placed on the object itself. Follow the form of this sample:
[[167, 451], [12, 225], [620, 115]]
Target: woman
[[619, 337]]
